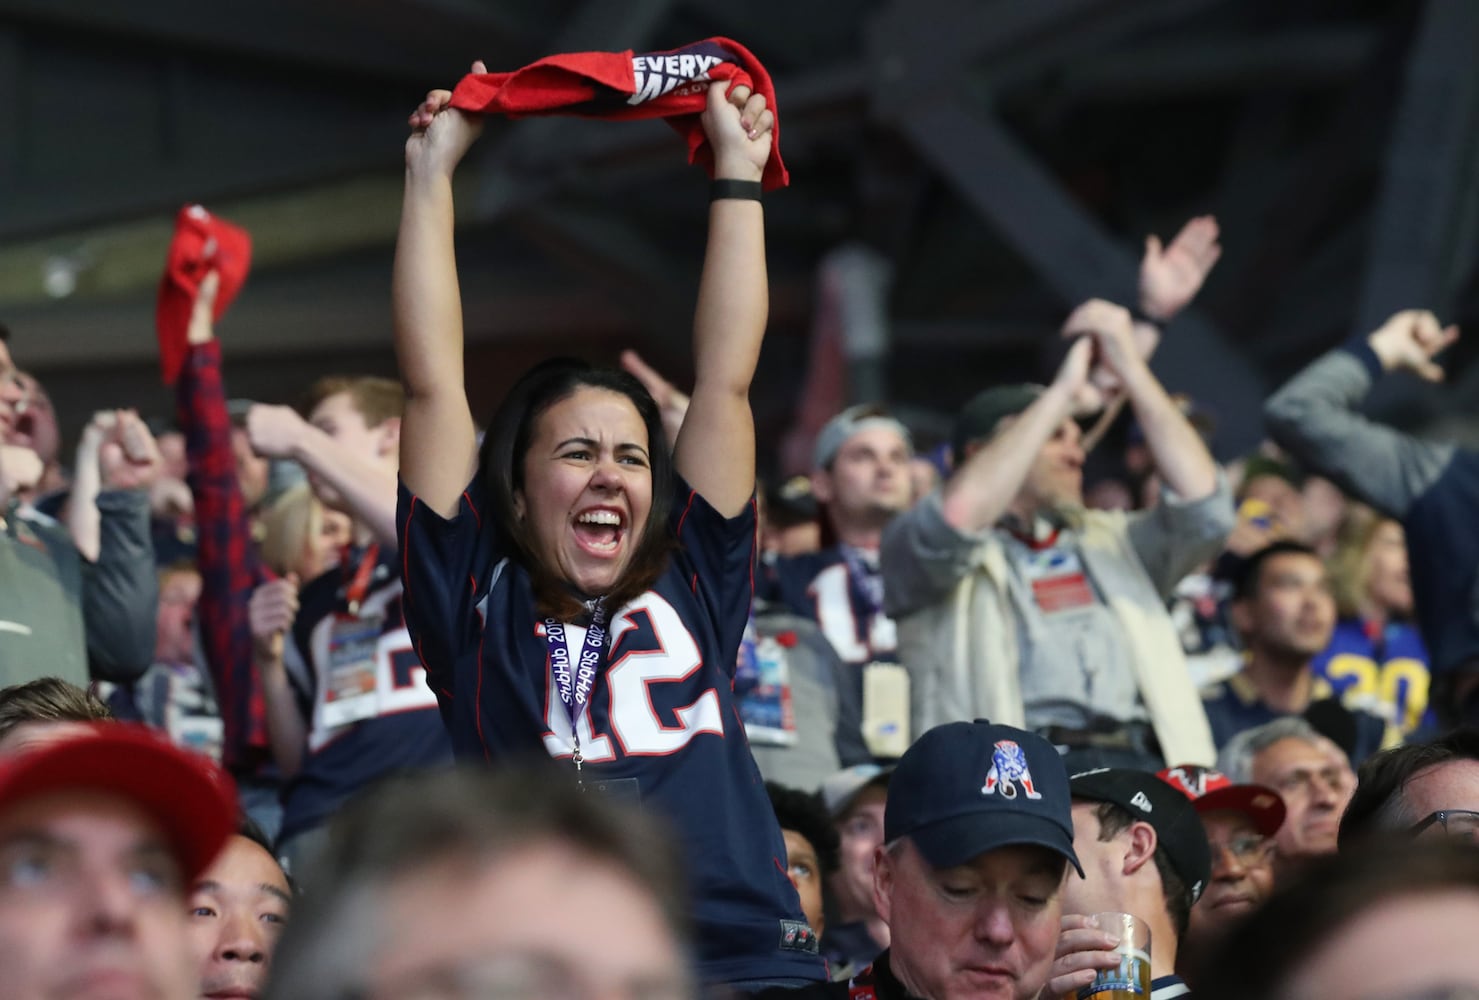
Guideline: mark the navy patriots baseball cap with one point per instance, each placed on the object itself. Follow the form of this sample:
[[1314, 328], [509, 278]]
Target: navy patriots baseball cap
[[1143, 795], [966, 788]]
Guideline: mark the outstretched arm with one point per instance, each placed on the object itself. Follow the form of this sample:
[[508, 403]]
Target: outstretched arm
[[438, 438], [366, 487], [715, 451], [1317, 417]]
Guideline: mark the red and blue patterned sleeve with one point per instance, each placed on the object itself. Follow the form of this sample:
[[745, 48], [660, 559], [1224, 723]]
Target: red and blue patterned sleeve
[[230, 568]]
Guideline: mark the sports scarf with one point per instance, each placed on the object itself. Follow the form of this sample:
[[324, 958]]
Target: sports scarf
[[624, 86], [202, 243]]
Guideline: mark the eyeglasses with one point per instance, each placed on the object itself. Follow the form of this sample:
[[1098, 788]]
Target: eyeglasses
[[1247, 849], [1462, 823]]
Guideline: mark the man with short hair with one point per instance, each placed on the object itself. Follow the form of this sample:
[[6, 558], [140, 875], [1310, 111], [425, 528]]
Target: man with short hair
[[101, 835], [488, 883], [347, 698], [1311, 774], [45, 710], [860, 480], [979, 839], [1016, 602], [1144, 852], [1241, 821], [1427, 789], [238, 908], [1285, 612]]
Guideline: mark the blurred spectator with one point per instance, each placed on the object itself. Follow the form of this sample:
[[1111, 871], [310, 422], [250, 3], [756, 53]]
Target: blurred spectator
[[1144, 851], [227, 483], [811, 848], [301, 536], [1311, 774], [238, 908], [1241, 821], [45, 710], [347, 698], [1387, 923], [62, 612], [1432, 488], [1325, 512], [1284, 611], [860, 480], [1426, 789], [102, 835], [1017, 604], [1271, 489], [488, 884], [791, 526], [174, 695], [1376, 659], [856, 932]]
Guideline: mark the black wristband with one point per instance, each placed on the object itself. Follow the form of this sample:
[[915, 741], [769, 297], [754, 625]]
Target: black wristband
[[1140, 317], [723, 188]]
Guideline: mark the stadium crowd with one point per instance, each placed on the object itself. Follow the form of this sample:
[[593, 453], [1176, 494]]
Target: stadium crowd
[[376, 697]]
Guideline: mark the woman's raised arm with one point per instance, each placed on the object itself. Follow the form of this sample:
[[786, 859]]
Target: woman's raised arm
[[715, 450], [438, 438]]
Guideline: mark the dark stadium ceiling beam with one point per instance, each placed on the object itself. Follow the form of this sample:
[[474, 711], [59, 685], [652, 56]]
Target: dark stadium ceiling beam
[[1073, 254], [413, 41], [1429, 168], [597, 25], [1184, 67]]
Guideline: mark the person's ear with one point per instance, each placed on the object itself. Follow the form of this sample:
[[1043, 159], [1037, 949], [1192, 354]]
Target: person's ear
[[390, 435], [884, 874], [520, 507], [1141, 847], [1240, 615], [821, 486]]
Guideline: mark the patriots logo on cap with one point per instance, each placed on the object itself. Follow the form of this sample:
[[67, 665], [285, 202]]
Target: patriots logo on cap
[[1008, 769]]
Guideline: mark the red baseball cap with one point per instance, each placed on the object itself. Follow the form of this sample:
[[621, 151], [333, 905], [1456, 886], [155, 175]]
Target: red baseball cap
[[191, 799], [1211, 790]]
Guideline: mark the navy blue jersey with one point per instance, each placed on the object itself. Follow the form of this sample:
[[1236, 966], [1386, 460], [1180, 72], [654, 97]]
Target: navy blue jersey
[[660, 722], [821, 586], [404, 733]]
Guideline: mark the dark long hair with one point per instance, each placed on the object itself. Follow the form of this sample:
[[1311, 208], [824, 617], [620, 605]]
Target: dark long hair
[[501, 465]]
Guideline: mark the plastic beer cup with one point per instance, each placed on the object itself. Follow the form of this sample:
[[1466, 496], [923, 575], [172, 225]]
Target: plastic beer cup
[[1130, 980]]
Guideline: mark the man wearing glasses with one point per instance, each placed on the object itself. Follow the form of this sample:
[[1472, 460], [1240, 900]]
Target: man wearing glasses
[[1241, 821], [1426, 790], [1311, 774]]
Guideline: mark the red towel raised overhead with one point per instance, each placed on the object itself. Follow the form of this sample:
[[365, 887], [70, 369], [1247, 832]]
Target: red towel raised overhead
[[626, 86], [202, 243]]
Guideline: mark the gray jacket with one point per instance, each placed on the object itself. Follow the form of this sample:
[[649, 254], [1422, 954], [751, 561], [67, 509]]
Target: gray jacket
[[59, 614], [1431, 487]]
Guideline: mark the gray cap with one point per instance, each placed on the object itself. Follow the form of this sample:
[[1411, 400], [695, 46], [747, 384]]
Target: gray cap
[[849, 422]]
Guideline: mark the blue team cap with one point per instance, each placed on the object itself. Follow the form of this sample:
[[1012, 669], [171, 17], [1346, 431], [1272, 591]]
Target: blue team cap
[[966, 788]]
